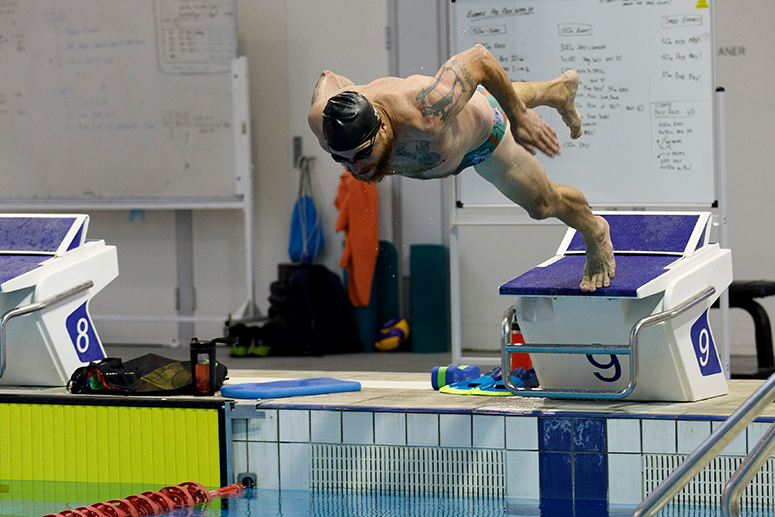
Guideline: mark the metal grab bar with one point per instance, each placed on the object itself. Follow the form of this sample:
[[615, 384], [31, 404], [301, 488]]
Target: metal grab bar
[[632, 350], [730, 499], [710, 448], [34, 307]]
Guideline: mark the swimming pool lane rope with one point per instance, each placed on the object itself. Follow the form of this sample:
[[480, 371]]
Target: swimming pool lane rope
[[153, 502]]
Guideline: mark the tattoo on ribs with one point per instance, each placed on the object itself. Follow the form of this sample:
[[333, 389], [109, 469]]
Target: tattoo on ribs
[[421, 154], [440, 98]]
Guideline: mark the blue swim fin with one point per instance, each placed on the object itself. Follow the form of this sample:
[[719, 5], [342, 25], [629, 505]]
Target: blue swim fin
[[466, 387], [520, 377]]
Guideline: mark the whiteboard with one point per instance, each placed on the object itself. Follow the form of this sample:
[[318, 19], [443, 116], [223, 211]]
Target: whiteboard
[[647, 79], [116, 99]]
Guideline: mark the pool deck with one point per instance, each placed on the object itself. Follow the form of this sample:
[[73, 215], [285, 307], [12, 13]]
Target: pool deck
[[413, 391], [397, 391]]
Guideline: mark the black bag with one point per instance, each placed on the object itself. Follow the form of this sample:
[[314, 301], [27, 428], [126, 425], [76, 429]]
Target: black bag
[[150, 374], [319, 319], [310, 314]]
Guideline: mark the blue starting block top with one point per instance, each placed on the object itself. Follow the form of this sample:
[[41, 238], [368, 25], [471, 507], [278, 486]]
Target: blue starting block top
[[645, 244], [13, 266], [646, 233], [44, 235], [562, 278], [26, 241]]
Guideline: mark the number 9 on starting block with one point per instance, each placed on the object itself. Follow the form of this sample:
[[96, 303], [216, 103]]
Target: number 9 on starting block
[[704, 347]]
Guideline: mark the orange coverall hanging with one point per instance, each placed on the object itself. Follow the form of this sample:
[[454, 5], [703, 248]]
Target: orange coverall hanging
[[359, 220]]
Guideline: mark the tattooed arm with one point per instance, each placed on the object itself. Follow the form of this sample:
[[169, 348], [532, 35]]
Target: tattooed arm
[[455, 84], [451, 89]]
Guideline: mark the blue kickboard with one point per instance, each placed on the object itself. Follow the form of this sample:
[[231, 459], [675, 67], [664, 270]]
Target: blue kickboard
[[562, 278], [289, 388]]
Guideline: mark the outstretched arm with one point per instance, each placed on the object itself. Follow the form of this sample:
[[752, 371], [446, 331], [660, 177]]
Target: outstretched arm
[[455, 83], [449, 92], [329, 84]]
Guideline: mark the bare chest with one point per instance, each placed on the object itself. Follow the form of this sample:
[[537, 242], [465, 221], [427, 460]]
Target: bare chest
[[424, 159], [416, 156]]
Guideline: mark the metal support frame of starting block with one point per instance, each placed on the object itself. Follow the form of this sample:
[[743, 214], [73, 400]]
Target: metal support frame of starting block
[[656, 313], [48, 274]]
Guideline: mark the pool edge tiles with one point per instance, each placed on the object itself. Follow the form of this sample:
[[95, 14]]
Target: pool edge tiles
[[600, 453]]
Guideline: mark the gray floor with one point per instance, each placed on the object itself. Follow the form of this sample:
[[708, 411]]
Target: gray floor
[[367, 362]]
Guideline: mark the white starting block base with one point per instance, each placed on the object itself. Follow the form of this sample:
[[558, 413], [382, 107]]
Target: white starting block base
[[45, 260], [663, 260]]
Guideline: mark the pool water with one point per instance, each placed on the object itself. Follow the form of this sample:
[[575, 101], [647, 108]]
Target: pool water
[[272, 503], [276, 503]]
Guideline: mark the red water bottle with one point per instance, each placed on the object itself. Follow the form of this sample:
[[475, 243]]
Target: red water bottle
[[203, 367]]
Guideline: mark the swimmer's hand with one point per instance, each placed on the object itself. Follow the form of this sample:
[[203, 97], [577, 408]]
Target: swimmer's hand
[[532, 133]]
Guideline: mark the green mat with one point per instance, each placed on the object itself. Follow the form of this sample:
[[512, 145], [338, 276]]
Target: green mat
[[428, 314]]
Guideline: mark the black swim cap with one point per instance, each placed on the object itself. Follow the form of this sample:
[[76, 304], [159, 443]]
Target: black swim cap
[[349, 120]]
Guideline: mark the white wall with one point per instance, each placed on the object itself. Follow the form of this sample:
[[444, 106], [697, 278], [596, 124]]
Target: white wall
[[347, 37], [423, 214], [146, 284], [747, 74]]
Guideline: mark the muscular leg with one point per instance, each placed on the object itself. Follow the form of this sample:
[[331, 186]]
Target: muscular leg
[[559, 94], [573, 209], [520, 177]]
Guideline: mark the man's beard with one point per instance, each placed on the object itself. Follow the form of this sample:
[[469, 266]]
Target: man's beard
[[382, 167]]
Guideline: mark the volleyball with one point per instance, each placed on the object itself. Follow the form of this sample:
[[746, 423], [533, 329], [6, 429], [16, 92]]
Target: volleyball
[[392, 334]]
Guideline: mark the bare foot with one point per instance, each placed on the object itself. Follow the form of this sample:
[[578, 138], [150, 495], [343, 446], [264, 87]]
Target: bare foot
[[567, 110], [600, 266]]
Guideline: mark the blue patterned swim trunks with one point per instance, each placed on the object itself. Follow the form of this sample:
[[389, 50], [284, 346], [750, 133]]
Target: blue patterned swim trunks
[[485, 150]]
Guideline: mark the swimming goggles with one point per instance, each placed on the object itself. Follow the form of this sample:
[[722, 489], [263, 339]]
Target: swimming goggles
[[361, 152]]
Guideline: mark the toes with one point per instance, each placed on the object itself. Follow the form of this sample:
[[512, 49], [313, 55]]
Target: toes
[[593, 283]]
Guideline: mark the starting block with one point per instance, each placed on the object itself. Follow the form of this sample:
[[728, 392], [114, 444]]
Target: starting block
[[48, 274], [647, 336]]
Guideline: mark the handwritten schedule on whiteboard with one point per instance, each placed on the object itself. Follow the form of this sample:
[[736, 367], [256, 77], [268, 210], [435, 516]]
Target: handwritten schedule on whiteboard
[[646, 70], [117, 100]]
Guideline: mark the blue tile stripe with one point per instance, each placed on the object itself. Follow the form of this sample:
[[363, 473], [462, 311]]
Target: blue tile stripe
[[555, 434], [590, 477], [556, 474], [572, 458], [589, 435]]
